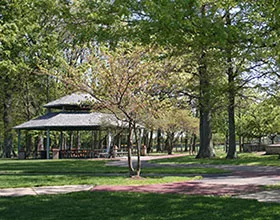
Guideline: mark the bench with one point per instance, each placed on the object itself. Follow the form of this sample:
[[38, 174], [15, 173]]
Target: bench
[[272, 149], [121, 153]]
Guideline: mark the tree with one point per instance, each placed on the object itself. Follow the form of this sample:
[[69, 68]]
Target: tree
[[122, 82], [175, 122], [190, 29], [262, 119], [29, 36]]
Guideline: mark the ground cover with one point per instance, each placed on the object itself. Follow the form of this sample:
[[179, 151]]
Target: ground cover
[[271, 187], [108, 205], [14, 181], [28, 173], [249, 159]]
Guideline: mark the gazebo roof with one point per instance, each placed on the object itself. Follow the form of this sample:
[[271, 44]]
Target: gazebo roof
[[73, 101], [71, 121]]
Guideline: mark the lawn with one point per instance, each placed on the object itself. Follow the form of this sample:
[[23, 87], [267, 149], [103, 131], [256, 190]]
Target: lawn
[[131, 206], [249, 159], [28, 173]]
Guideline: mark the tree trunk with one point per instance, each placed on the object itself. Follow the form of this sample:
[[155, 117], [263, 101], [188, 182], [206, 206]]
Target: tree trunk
[[7, 119], [192, 148], [71, 140], [226, 142], [260, 140], [78, 140], [272, 138], [205, 115], [168, 143], [146, 138], [159, 141], [137, 133], [231, 98], [205, 128], [186, 142], [150, 144], [171, 143], [240, 143], [129, 149], [181, 142], [231, 127], [205, 150], [28, 143]]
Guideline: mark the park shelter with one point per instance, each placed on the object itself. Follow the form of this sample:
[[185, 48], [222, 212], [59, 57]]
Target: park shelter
[[72, 113]]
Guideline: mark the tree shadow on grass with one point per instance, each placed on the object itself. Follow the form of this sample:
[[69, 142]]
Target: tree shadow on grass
[[108, 205]]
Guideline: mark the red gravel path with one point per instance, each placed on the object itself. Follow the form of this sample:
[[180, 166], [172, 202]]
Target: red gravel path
[[191, 188]]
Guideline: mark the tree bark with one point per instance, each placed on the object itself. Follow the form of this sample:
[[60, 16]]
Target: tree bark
[[231, 154], [129, 149], [150, 144], [192, 149], [205, 128], [231, 125], [241, 141], [159, 141], [137, 133], [29, 144], [78, 140], [7, 119], [186, 142], [71, 140]]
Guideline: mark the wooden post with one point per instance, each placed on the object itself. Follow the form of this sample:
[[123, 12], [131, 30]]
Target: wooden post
[[99, 139], [109, 141], [61, 140], [95, 140], [48, 144], [19, 137]]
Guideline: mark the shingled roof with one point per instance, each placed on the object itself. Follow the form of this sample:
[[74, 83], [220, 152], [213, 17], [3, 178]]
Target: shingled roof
[[71, 121], [73, 102]]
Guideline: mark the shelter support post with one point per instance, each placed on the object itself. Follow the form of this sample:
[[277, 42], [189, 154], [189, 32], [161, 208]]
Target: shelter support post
[[19, 147], [48, 144], [61, 140], [109, 141], [95, 141], [19, 139], [99, 139]]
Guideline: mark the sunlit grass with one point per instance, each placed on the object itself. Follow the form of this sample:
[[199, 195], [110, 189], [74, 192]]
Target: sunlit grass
[[250, 159], [29, 173], [131, 206], [272, 187], [8, 181]]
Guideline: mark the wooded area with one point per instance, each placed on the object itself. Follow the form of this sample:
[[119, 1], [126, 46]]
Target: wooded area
[[208, 69]]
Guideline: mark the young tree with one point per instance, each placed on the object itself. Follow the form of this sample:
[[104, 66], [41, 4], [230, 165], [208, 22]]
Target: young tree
[[175, 122], [122, 82]]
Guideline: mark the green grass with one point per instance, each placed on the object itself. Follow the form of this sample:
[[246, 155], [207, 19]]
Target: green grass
[[28, 173], [13, 181], [131, 206], [58, 166], [250, 159], [92, 167], [271, 187]]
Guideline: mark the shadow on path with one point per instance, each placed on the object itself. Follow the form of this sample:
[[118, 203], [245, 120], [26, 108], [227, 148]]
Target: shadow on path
[[242, 182]]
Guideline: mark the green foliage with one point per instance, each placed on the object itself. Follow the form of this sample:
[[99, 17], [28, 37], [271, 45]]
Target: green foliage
[[261, 119], [206, 38], [30, 36]]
